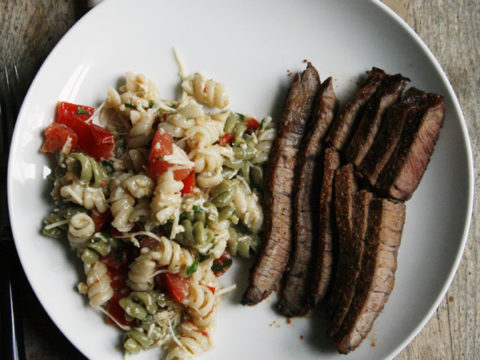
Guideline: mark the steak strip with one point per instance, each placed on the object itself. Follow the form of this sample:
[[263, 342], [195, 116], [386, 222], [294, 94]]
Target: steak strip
[[323, 245], [293, 295], [377, 275], [386, 95], [354, 253], [389, 134], [345, 188], [343, 126], [403, 172], [273, 258]]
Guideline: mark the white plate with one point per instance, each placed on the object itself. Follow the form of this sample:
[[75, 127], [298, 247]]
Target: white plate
[[249, 45]]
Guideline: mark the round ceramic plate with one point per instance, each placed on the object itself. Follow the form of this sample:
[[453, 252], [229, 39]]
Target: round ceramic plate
[[250, 46]]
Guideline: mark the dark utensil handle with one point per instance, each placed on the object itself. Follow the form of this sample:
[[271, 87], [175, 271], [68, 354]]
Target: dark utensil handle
[[12, 345]]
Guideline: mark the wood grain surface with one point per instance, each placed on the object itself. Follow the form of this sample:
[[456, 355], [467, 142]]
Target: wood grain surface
[[30, 29]]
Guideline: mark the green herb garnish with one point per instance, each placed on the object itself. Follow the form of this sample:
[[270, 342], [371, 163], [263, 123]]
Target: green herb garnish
[[223, 265], [192, 268], [197, 209], [203, 257], [241, 116], [130, 106], [82, 111], [151, 104]]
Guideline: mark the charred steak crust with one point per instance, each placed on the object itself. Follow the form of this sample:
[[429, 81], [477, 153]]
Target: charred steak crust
[[342, 128], [404, 171], [354, 254], [389, 134], [293, 295], [345, 188], [323, 244], [274, 255], [377, 276], [387, 94]]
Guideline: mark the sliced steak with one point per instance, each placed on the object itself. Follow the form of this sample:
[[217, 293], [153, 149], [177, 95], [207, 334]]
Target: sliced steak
[[342, 127], [377, 275], [386, 95], [403, 172], [345, 188], [323, 244], [293, 295], [353, 252], [389, 134], [273, 258]]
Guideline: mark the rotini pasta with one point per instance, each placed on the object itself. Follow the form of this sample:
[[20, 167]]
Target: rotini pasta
[[156, 218], [205, 91]]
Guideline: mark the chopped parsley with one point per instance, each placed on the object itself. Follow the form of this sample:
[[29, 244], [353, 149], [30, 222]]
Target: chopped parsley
[[241, 116], [96, 239], [149, 283], [197, 209], [203, 257], [82, 111], [151, 104], [192, 268], [130, 106], [223, 265]]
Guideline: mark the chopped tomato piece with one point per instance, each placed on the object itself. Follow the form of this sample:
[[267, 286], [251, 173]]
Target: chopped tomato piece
[[93, 140], [116, 259], [188, 183], [253, 124], [225, 139], [118, 278], [56, 135], [68, 112], [100, 219], [212, 289], [175, 285], [222, 264], [162, 145], [116, 311]]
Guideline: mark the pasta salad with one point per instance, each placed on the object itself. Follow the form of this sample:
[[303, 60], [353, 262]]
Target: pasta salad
[[156, 203]]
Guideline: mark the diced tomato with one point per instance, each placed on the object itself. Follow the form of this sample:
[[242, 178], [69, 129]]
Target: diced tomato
[[68, 112], [225, 139], [116, 259], [212, 289], [253, 124], [116, 311], [118, 278], [100, 219], [222, 264], [56, 135], [93, 140], [149, 242], [188, 183], [175, 285], [162, 145], [104, 142]]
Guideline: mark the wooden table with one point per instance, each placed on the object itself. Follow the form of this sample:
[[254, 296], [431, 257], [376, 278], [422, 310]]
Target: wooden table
[[30, 29]]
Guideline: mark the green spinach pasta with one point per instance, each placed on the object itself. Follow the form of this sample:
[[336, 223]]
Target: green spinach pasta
[[155, 203]]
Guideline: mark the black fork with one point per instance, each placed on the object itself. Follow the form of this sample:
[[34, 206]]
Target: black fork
[[11, 346]]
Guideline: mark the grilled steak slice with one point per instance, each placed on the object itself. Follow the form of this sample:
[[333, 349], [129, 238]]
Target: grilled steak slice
[[345, 188], [323, 244], [353, 252], [305, 208], [403, 172], [273, 258], [386, 95], [377, 275], [389, 134], [341, 129]]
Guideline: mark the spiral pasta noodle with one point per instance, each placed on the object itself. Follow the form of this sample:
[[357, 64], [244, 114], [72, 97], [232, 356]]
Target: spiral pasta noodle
[[80, 228], [140, 275], [167, 200], [84, 195], [192, 342], [205, 91], [98, 282]]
